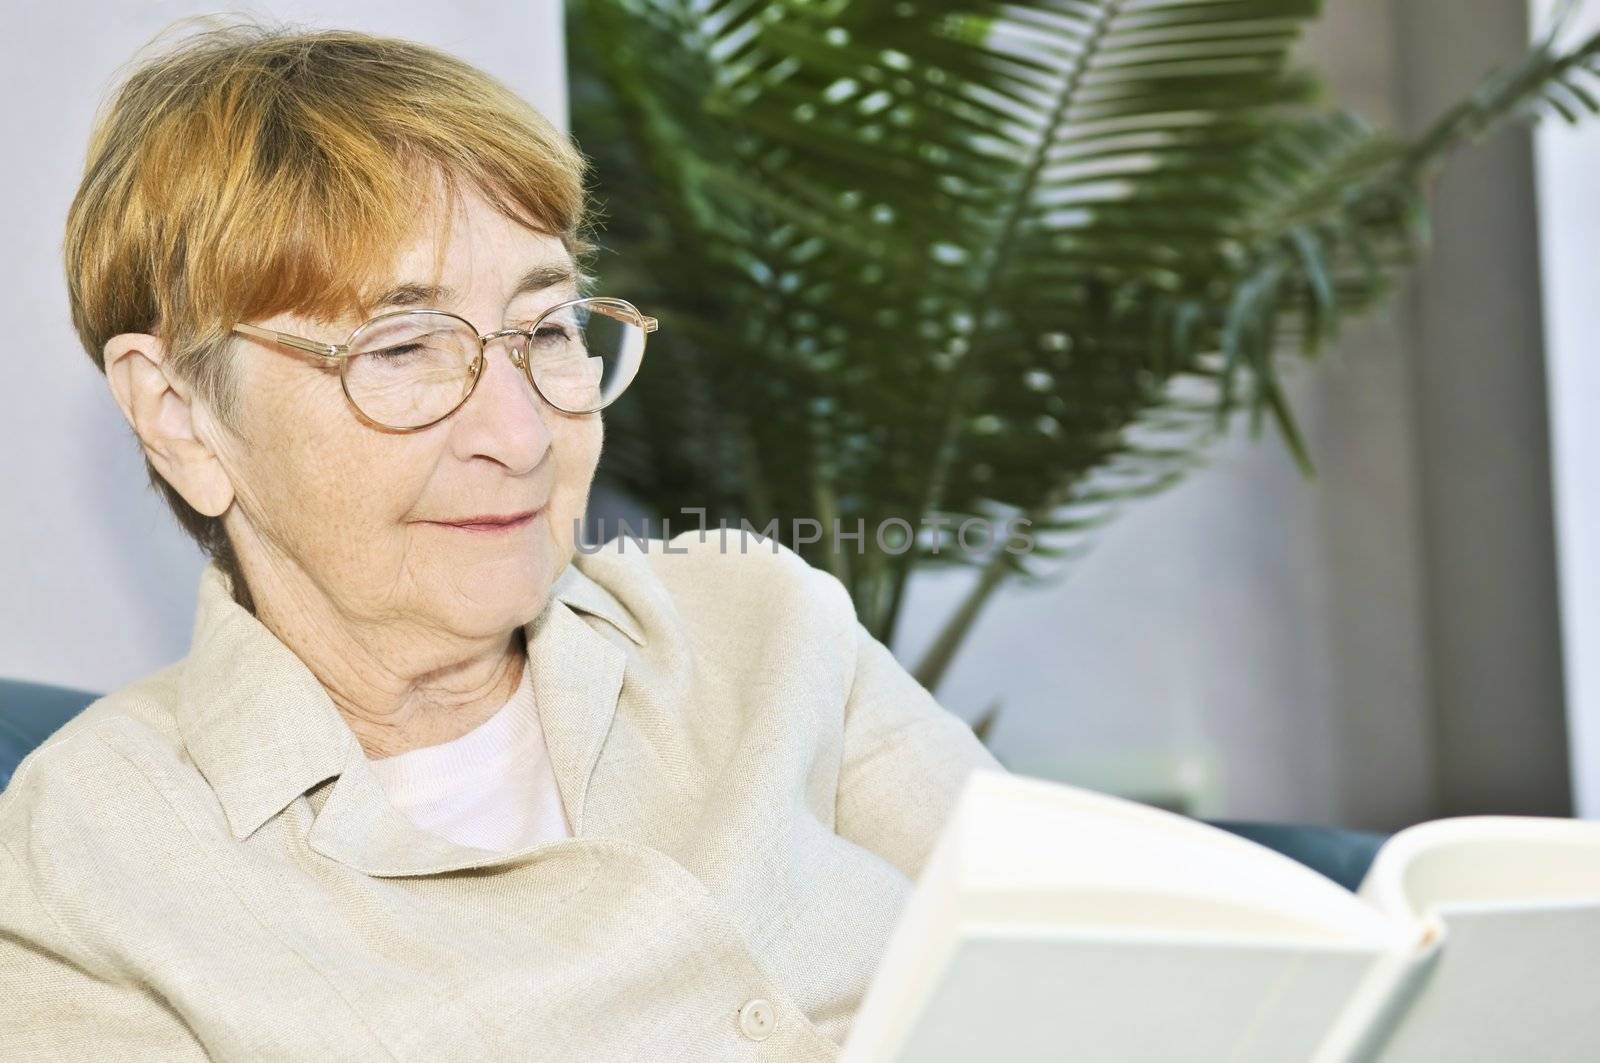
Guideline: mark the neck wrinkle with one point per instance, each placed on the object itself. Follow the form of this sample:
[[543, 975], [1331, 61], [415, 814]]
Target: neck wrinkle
[[389, 711]]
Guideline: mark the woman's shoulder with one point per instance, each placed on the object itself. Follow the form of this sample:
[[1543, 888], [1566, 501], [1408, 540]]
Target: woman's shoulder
[[94, 767], [728, 581], [713, 566]]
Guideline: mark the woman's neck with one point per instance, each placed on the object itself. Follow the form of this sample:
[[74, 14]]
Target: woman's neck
[[398, 687]]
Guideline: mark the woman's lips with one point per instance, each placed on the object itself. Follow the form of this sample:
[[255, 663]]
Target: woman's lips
[[490, 523]]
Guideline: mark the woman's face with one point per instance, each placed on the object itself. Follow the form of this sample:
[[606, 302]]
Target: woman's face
[[371, 518]]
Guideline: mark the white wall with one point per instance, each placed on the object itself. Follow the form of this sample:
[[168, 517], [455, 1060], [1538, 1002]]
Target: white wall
[[1569, 233], [1492, 611], [98, 582]]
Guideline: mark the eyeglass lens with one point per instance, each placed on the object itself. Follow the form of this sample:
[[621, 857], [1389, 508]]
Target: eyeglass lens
[[410, 369]]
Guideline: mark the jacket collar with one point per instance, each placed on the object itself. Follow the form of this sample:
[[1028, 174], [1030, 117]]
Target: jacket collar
[[263, 731]]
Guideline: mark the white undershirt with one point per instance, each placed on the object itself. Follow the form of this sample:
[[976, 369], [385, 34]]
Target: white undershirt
[[491, 788]]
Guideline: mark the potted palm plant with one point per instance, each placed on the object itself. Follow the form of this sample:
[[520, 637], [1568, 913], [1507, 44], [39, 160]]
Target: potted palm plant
[[930, 263]]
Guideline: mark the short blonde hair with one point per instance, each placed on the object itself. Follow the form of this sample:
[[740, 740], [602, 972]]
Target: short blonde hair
[[250, 171]]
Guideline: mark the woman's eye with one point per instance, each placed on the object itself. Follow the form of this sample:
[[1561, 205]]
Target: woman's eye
[[400, 350]]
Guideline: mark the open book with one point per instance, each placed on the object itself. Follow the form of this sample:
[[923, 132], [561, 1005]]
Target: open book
[[1052, 923]]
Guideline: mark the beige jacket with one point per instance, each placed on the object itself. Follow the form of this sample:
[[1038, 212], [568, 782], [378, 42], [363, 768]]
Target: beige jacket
[[202, 863]]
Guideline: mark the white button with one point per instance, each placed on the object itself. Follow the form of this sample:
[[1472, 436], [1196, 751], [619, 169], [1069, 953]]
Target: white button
[[756, 1019]]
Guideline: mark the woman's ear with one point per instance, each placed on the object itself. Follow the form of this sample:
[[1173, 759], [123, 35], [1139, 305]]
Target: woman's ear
[[163, 412]]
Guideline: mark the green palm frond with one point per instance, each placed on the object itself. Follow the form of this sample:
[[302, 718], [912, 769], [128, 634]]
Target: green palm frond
[[981, 259]]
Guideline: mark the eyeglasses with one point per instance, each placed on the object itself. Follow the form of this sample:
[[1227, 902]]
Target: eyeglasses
[[409, 369]]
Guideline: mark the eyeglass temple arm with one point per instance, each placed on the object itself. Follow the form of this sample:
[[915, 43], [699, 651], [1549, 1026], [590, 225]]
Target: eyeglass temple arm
[[334, 351], [331, 351], [649, 324]]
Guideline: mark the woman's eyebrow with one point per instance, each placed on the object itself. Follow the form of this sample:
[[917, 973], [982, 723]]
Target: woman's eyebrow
[[540, 277], [543, 276]]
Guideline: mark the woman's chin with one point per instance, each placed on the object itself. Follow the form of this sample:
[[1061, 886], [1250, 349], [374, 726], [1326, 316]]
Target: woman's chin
[[495, 596]]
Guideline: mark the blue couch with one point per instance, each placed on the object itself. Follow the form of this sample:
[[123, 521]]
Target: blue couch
[[31, 712]]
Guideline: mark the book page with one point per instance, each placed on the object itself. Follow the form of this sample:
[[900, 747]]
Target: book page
[[1473, 859], [1516, 901], [1030, 850], [1055, 923]]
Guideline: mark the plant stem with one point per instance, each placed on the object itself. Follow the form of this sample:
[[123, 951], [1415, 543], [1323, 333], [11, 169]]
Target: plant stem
[[1483, 111], [828, 514], [936, 660], [954, 407], [930, 670], [757, 499]]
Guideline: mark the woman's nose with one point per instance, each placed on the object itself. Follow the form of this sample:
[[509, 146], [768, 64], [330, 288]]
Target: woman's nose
[[504, 418]]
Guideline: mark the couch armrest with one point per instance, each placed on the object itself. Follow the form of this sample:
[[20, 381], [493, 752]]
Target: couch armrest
[[1342, 855], [30, 713]]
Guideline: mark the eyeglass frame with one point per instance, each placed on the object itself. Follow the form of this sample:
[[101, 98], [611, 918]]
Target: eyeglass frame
[[341, 353]]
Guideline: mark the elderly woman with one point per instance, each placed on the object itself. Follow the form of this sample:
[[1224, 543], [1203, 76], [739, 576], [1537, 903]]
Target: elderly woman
[[431, 783]]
